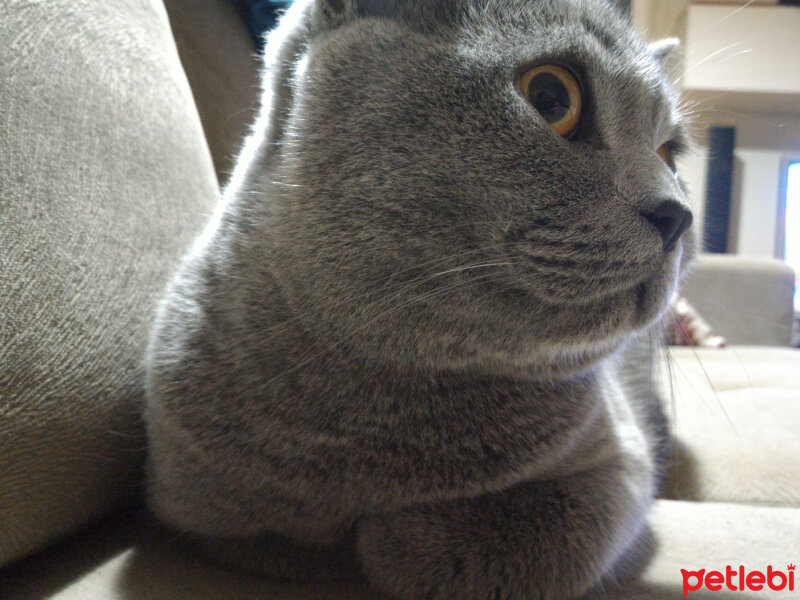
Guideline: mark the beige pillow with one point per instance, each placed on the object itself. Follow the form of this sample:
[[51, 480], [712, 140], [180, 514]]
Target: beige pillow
[[104, 179]]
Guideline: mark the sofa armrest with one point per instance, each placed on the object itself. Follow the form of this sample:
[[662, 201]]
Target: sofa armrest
[[105, 179], [747, 300]]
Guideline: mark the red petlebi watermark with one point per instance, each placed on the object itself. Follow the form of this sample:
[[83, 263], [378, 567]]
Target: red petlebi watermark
[[739, 580]]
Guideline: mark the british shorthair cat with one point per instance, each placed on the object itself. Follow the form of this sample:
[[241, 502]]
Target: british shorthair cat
[[414, 340]]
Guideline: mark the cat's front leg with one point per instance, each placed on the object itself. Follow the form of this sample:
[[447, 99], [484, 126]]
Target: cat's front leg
[[538, 540]]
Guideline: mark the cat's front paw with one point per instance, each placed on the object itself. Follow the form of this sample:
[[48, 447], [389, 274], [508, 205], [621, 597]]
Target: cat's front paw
[[543, 541]]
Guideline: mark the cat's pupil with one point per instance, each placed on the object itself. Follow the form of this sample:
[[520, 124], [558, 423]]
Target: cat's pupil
[[549, 97]]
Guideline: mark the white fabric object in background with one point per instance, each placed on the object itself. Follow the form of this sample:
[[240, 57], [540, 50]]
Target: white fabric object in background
[[105, 178]]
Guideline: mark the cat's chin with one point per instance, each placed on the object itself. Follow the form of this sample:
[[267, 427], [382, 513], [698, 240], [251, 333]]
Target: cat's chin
[[623, 313], [635, 308], [654, 294], [652, 300]]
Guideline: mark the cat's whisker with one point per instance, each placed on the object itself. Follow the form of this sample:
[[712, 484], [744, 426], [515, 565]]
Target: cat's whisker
[[712, 55], [746, 372], [284, 184], [470, 268], [389, 297], [747, 117], [726, 17], [690, 344], [669, 363], [319, 349], [425, 279], [412, 283], [735, 12]]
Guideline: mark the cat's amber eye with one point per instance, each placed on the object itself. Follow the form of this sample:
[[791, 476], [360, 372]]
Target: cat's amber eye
[[665, 153], [556, 95]]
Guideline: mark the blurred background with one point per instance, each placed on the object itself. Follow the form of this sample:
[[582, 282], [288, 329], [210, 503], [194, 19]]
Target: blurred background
[[739, 73]]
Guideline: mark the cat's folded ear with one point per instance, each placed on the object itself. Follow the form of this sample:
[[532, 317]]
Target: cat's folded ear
[[664, 50], [331, 13]]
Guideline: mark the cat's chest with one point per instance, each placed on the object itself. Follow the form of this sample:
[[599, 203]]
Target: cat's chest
[[433, 442]]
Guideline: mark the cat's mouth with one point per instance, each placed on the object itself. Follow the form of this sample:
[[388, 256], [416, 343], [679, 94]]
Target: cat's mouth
[[588, 279], [566, 290], [616, 308]]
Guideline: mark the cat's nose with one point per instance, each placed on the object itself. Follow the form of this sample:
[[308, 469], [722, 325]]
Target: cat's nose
[[671, 219]]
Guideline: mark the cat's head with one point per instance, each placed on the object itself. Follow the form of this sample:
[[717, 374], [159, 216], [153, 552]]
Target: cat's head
[[470, 183]]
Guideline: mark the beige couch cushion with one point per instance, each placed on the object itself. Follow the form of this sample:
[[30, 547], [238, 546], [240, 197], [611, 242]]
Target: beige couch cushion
[[132, 560], [736, 415], [747, 300], [104, 178]]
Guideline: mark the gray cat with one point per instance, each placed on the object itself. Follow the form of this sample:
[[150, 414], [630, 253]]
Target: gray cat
[[413, 342]]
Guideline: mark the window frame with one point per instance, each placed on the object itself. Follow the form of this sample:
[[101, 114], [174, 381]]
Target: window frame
[[783, 191]]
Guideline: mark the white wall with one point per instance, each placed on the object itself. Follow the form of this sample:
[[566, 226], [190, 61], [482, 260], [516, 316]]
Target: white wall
[[763, 145], [657, 19], [746, 49]]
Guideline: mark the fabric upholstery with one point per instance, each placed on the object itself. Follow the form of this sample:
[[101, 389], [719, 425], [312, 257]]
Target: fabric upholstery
[[736, 416], [746, 300], [708, 535], [131, 559], [104, 179]]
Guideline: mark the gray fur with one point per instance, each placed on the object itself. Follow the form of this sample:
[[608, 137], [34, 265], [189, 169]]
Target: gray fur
[[413, 339]]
